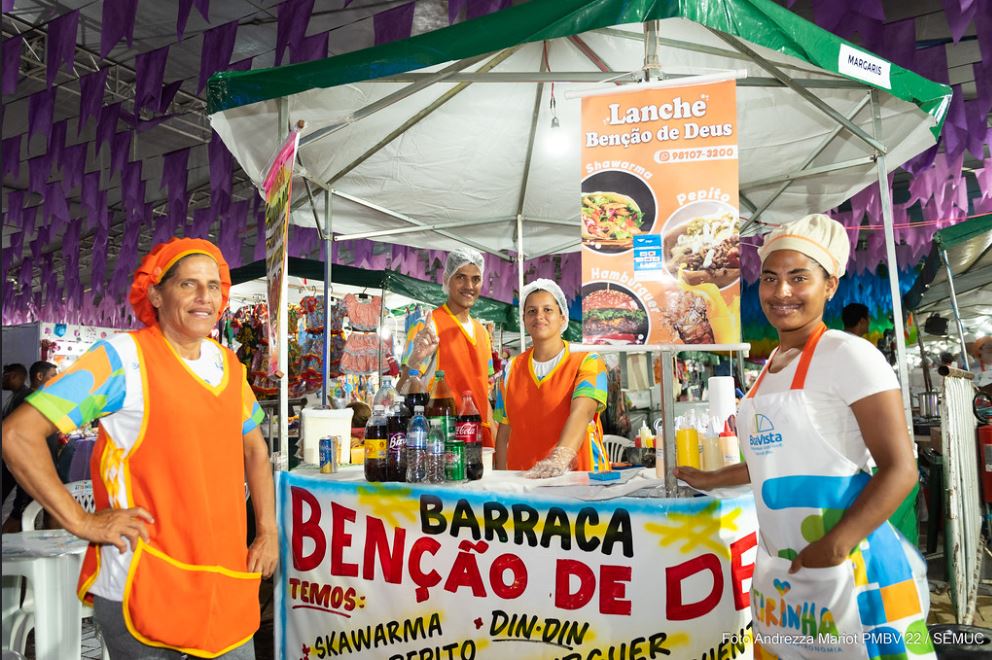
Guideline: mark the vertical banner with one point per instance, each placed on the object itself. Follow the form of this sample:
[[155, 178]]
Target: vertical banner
[[410, 572], [278, 189], [660, 223]]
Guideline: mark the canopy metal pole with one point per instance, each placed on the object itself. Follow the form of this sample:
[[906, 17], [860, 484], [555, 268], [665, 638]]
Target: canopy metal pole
[[954, 307], [890, 256], [668, 419], [282, 457], [328, 247], [520, 280]]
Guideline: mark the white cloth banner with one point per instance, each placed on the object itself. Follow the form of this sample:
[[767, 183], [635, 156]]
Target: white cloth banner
[[397, 571]]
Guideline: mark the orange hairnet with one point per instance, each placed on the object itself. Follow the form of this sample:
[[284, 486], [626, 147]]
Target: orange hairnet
[[163, 257]]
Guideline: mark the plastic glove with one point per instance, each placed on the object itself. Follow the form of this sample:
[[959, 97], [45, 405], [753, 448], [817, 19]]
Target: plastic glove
[[557, 463]]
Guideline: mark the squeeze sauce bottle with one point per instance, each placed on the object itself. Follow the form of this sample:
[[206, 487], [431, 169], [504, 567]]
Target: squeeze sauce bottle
[[730, 450]]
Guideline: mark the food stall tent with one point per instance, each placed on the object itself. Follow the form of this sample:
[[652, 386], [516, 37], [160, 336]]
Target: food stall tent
[[451, 137]]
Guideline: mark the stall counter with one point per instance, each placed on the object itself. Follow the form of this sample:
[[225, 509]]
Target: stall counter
[[507, 568]]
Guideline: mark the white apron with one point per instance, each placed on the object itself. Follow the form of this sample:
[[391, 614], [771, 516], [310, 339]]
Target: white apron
[[874, 605]]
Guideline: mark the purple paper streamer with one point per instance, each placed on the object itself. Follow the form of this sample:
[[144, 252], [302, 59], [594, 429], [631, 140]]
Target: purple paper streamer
[[10, 154], [91, 89], [394, 24], [149, 73], [61, 46], [983, 28], [15, 206], [175, 173], [29, 216], [38, 170], [455, 10], [203, 219], [931, 63], [163, 229], [477, 8], [55, 207], [118, 23], [243, 65], [107, 125], [168, 94], [958, 14], [221, 164], [311, 48], [91, 192], [119, 151], [56, 142], [203, 6], [218, 46], [7, 6], [41, 105], [11, 62], [291, 25], [898, 43], [133, 188]]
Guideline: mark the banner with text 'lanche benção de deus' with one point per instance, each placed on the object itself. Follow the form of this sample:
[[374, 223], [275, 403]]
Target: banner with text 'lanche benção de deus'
[[660, 224]]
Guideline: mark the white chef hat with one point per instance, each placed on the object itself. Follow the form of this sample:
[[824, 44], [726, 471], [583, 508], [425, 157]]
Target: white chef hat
[[459, 257], [819, 237], [552, 288]]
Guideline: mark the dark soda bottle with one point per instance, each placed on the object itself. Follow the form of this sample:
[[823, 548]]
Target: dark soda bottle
[[414, 391], [441, 406], [468, 430], [396, 451], [376, 444]]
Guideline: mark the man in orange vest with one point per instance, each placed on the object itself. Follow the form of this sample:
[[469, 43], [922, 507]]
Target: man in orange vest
[[454, 342], [168, 568]]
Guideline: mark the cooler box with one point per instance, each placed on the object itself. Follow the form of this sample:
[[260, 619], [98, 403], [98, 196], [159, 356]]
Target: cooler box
[[319, 423]]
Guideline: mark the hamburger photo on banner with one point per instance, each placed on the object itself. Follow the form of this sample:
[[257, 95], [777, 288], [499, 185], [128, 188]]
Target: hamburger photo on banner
[[612, 315]]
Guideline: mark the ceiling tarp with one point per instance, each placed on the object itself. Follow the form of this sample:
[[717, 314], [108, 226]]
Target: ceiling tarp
[[969, 254], [436, 129]]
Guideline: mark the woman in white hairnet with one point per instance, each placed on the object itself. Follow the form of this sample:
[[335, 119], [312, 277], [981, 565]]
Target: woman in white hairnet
[[832, 577], [450, 340], [549, 399]]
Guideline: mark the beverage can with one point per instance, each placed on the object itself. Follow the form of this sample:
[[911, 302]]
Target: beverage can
[[328, 450]]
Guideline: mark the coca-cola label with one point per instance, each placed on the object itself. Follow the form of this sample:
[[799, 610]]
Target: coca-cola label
[[468, 432], [397, 441]]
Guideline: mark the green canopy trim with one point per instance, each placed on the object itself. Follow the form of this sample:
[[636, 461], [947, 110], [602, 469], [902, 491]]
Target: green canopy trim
[[501, 313], [948, 237], [760, 22]]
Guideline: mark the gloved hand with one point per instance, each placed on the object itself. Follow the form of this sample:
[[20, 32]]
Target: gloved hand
[[557, 463]]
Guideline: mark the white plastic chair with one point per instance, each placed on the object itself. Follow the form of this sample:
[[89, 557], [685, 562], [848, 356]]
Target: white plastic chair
[[615, 444], [23, 623]]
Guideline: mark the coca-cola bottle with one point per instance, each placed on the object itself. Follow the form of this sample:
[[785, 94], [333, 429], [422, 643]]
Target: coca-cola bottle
[[376, 443], [468, 430], [441, 406]]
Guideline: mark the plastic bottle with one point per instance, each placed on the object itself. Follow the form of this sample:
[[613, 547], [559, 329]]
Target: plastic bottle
[[686, 444], [399, 418], [416, 447], [709, 439], [386, 396], [414, 391], [644, 438], [468, 437], [435, 453], [730, 449], [376, 444], [441, 405]]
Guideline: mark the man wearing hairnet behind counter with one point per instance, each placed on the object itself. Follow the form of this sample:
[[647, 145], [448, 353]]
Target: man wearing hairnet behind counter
[[454, 342]]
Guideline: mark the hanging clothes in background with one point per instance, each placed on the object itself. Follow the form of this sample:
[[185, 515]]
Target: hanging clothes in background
[[312, 348], [361, 351]]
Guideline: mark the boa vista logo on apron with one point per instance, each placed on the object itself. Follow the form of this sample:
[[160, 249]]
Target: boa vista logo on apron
[[765, 438], [804, 617]]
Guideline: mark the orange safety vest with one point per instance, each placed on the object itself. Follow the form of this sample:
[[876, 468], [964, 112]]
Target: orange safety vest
[[538, 409], [187, 588], [465, 362]]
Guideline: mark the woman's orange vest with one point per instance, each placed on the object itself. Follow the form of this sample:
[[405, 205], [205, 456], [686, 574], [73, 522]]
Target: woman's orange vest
[[187, 588], [537, 412], [465, 362]]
